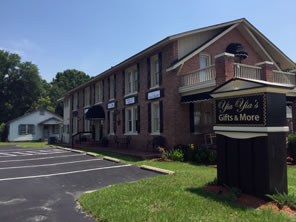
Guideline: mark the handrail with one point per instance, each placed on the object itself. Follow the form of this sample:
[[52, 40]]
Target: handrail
[[198, 76], [283, 77], [247, 71]]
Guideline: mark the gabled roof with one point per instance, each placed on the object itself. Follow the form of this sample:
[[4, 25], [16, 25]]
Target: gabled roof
[[57, 120], [267, 47], [37, 110]]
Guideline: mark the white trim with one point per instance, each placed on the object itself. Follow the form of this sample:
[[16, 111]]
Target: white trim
[[63, 173], [154, 87], [240, 135], [268, 129], [224, 54], [131, 134], [131, 94], [202, 48], [264, 62]]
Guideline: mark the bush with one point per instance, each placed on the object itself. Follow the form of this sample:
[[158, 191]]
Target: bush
[[284, 199], [177, 155], [163, 152], [188, 151], [292, 147], [205, 156]]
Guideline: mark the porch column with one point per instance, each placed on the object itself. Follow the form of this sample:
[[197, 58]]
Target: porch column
[[224, 67], [266, 70]]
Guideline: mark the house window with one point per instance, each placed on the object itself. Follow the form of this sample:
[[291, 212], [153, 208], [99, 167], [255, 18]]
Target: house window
[[99, 92], [31, 129], [154, 71], [87, 96], [86, 125], [111, 88], [131, 80], [112, 122], [204, 61], [197, 117], [75, 125], [131, 119], [22, 129], [155, 117], [56, 129], [75, 101]]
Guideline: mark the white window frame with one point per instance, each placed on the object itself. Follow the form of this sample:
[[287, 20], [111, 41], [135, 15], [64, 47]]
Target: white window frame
[[203, 74], [87, 97], [131, 118], [154, 71], [155, 118], [131, 81], [99, 92]]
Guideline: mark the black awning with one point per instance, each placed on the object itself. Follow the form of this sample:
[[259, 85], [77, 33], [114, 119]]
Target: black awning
[[196, 98], [95, 112]]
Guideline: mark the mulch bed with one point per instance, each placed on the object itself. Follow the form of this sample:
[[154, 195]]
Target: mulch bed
[[251, 201]]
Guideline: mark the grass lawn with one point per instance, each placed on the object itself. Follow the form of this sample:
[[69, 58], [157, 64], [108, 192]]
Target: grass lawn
[[25, 144], [177, 197]]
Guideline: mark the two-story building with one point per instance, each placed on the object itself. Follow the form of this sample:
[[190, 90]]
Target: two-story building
[[164, 89]]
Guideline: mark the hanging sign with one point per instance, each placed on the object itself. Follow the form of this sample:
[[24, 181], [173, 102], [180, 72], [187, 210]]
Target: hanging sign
[[130, 100], [241, 110], [111, 105]]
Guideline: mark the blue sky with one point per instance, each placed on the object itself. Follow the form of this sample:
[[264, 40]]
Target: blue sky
[[93, 35]]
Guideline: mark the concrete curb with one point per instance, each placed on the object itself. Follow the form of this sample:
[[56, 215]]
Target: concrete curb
[[155, 169], [91, 154], [111, 159]]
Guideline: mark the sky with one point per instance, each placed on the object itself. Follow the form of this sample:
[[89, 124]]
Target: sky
[[93, 35]]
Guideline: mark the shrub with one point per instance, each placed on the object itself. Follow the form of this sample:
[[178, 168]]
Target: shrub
[[177, 155], [212, 157], [188, 151], [292, 146], [164, 153], [205, 156], [284, 199]]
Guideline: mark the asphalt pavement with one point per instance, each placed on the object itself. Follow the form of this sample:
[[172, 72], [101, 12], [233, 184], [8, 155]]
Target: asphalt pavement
[[42, 184]]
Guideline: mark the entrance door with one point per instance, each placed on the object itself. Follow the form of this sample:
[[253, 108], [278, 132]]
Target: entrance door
[[46, 131]]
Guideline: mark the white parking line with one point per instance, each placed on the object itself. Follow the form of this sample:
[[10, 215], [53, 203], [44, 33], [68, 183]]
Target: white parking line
[[24, 149], [64, 173], [17, 154], [7, 154], [50, 164], [41, 158]]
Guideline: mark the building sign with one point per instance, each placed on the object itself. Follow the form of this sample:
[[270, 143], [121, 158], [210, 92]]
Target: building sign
[[153, 95], [130, 100], [241, 110], [111, 105]]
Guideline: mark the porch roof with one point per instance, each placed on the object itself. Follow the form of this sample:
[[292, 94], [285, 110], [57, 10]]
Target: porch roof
[[51, 121], [196, 98]]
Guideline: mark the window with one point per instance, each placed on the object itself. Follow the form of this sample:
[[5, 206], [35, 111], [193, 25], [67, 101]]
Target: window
[[75, 101], [155, 118], [86, 125], [22, 129], [87, 96], [31, 129], [197, 119], [131, 119], [131, 80], [205, 61], [111, 87], [99, 92], [154, 71], [112, 122], [75, 125]]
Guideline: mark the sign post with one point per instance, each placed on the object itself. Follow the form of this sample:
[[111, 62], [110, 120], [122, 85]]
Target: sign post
[[250, 123]]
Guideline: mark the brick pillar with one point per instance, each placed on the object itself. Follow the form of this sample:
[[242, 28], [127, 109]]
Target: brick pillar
[[266, 70], [224, 67]]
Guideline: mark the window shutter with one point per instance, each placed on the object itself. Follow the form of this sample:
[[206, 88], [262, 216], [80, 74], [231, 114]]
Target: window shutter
[[138, 77], [191, 117], [108, 88], [149, 117], [108, 122], [161, 116], [123, 121], [138, 120], [114, 87], [123, 83], [160, 67], [148, 73], [103, 90]]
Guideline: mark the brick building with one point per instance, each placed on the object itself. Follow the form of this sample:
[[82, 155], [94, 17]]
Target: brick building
[[164, 89]]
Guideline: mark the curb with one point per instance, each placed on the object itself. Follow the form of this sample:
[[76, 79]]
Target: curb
[[158, 170], [111, 159], [91, 154]]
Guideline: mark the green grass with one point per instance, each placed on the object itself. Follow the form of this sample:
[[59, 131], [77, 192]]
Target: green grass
[[177, 197], [25, 144]]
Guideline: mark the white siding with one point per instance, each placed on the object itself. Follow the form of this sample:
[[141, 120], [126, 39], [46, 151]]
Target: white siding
[[31, 118]]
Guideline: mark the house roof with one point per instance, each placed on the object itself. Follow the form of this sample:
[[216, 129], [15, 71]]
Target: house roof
[[37, 110], [257, 37]]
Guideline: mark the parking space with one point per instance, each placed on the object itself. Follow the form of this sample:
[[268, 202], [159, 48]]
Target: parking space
[[41, 184]]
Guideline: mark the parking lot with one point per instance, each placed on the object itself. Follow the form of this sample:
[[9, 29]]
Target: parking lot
[[41, 184]]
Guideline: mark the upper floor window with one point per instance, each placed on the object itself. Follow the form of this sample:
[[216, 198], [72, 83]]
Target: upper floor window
[[87, 96], [99, 92], [204, 61], [75, 101], [154, 77], [131, 80], [111, 87]]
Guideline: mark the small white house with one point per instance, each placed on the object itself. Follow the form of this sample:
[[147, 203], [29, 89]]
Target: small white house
[[35, 126]]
